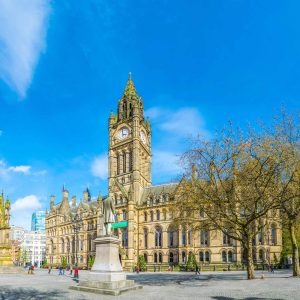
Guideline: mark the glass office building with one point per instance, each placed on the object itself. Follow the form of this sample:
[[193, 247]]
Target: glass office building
[[38, 221]]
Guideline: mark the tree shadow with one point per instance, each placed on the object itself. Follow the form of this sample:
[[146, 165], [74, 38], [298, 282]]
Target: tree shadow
[[9, 293], [245, 298]]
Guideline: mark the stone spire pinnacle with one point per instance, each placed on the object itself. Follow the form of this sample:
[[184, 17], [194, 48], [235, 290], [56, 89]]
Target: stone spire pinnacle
[[130, 91]]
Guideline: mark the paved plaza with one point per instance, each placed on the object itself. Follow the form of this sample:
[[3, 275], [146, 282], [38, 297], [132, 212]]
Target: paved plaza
[[208, 285]]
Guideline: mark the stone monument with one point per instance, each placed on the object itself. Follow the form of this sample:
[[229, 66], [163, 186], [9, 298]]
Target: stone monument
[[106, 276], [5, 246]]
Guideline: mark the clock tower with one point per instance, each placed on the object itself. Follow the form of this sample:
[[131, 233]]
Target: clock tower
[[129, 166], [129, 147]]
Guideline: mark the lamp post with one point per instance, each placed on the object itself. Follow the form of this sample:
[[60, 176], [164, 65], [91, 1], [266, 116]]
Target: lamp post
[[76, 224]]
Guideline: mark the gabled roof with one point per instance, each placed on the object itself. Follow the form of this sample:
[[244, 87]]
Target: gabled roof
[[157, 190]]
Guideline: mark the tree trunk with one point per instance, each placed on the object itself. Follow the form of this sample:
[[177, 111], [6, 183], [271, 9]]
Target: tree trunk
[[296, 269], [249, 258]]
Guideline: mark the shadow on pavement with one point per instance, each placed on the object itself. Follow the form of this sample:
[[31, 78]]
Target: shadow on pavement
[[9, 293], [246, 298]]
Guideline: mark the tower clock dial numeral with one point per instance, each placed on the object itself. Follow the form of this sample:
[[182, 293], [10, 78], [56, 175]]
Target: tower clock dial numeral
[[143, 137], [123, 133]]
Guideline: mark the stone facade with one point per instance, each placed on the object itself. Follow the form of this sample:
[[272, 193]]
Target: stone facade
[[143, 219]]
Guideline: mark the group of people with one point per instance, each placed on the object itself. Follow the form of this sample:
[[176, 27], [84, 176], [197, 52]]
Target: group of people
[[61, 270]]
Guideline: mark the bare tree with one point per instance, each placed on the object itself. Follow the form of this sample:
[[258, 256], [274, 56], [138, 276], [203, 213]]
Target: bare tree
[[236, 186], [286, 136]]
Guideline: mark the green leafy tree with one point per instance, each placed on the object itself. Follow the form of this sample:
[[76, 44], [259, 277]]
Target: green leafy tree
[[142, 263], [64, 262], [44, 263], [191, 263], [91, 261]]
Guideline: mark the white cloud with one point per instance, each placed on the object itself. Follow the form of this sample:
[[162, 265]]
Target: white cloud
[[20, 169], [99, 166], [165, 163], [30, 202], [184, 122], [22, 209], [23, 26]]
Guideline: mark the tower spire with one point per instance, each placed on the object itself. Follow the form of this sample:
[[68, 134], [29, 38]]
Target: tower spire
[[130, 91]]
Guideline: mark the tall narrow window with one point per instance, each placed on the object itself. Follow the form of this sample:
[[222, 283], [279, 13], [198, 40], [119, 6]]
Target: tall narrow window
[[146, 257], [183, 236], [124, 237], [130, 162], [158, 237], [207, 256], [145, 216], [204, 238], [155, 257], [157, 215], [201, 256], [124, 162], [160, 258], [273, 235], [229, 256], [183, 257], [151, 216], [189, 237], [124, 109], [118, 164], [224, 256], [171, 257], [171, 238], [146, 238]]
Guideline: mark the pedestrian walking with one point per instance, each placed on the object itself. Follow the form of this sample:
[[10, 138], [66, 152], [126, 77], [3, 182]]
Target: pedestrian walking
[[271, 268], [71, 270], [60, 270], [49, 269], [197, 270], [76, 274]]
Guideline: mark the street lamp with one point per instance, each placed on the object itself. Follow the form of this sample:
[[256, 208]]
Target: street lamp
[[76, 224]]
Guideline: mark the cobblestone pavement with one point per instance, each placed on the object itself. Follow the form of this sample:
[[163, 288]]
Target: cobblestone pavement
[[208, 285]]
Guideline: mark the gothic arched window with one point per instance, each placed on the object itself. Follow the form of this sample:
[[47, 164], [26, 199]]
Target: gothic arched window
[[171, 238], [207, 256], [201, 256], [155, 257], [204, 238], [124, 162], [145, 216], [189, 238], [171, 257], [146, 238], [151, 216], [158, 237], [224, 256], [146, 257], [130, 162], [118, 164], [157, 215], [226, 239], [183, 236], [124, 237], [230, 256], [273, 235], [160, 258]]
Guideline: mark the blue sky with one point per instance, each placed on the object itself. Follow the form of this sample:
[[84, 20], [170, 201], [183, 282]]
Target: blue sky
[[197, 64]]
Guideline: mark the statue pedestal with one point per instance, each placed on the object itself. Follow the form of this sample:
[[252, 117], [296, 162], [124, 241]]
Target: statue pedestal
[[106, 276]]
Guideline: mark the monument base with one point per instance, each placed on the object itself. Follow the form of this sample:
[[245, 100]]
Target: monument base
[[106, 276], [114, 288]]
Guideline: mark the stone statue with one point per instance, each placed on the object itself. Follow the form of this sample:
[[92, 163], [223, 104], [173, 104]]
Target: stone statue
[[108, 209]]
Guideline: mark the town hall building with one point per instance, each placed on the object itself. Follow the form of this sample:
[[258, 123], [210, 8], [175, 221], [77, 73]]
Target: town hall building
[[143, 220]]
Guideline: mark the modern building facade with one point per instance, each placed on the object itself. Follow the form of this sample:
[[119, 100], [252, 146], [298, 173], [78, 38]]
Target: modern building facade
[[29, 247], [38, 221], [144, 222]]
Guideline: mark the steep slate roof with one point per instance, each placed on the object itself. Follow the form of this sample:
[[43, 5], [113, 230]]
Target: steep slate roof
[[157, 190]]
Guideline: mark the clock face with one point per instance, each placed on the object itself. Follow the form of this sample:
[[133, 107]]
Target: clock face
[[143, 137], [123, 133]]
